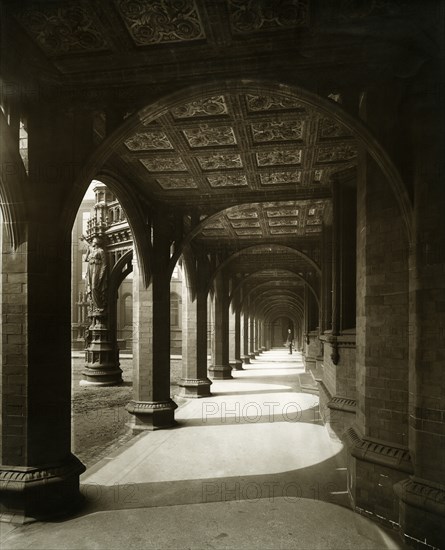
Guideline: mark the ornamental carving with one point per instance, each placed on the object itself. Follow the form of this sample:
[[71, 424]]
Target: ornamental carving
[[213, 162], [318, 174], [271, 103], [275, 178], [270, 158], [277, 131], [337, 153], [248, 16], [160, 21], [211, 106], [313, 229], [60, 29], [331, 129], [227, 180], [145, 141], [167, 164], [208, 136], [177, 182]]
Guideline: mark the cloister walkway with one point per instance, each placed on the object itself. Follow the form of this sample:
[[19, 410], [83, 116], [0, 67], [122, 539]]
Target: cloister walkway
[[251, 466]]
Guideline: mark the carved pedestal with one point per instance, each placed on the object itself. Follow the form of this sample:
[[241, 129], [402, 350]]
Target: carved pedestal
[[195, 387], [152, 415], [30, 493], [101, 355], [220, 372]]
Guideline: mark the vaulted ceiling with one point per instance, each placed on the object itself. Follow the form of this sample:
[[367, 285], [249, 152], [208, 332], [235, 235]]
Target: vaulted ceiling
[[251, 166]]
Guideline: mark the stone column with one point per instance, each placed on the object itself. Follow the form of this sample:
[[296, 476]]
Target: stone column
[[251, 335], [381, 424], [220, 369], [422, 495], [39, 477], [194, 381], [152, 407], [246, 356], [256, 348], [238, 364]]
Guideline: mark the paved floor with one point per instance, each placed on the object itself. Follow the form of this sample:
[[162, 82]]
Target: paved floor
[[250, 467]]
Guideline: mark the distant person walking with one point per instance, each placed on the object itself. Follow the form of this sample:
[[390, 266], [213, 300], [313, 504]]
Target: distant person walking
[[289, 341]]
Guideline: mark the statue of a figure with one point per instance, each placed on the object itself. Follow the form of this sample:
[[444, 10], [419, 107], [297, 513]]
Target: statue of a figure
[[97, 275]]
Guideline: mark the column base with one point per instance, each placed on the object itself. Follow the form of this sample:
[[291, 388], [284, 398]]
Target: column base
[[257, 352], [220, 372], [101, 377], [237, 364], [152, 415], [252, 355], [421, 512], [33, 493], [195, 387], [246, 359]]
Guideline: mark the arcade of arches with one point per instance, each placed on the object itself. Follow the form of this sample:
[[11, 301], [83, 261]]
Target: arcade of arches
[[292, 160]]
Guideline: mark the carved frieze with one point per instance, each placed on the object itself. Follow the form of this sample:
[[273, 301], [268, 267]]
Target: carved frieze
[[71, 27], [160, 21], [220, 160], [210, 106], [209, 136], [271, 158], [248, 16], [177, 182], [145, 141], [276, 178], [227, 180], [337, 153], [258, 103], [165, 164], [277, 131]]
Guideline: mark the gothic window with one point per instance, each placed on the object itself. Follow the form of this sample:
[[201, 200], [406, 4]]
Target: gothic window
[[175, 310]]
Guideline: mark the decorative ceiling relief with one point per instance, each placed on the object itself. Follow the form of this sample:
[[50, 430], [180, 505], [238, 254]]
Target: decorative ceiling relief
[[337, 153], [211, 106], [160, 21], [331, 129], [248, 16], [270, 158], [59, 29], [313, 229], [318, 174], [227, 180], [244, 223], [271, 103], [145, 141], [276, 178], [177, 182], [277, 131], [241, 214], [284, 222], [166, 164], [249, 232], [208, 136], [219, 160], [282, 212], [284, 230]]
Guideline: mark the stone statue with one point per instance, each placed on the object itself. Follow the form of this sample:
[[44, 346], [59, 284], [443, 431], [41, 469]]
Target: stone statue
[[97, 275]]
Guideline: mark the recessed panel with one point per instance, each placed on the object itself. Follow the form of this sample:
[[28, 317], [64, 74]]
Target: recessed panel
[[276, 178], [210, 106], [177, 182], [146, 141], [210, 136], [219, 160], [166, 164], [271, 158], [227, 180], [272, 131]]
